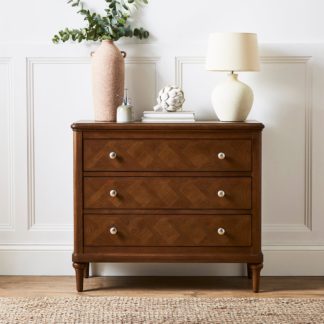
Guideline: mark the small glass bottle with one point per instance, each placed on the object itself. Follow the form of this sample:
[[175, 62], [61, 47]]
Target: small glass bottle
[[125, 111]]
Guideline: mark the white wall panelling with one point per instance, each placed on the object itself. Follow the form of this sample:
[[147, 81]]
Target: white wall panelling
[[44, 88], [183, 78], [47, 116], [48, 139], [58, 91], [144, 93], [6, 146], [306, 76]]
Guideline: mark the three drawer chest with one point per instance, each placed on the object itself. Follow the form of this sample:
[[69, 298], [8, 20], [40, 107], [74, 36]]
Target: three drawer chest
[[186, 192]]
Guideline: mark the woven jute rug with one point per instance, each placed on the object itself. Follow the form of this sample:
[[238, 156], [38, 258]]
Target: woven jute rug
[[90, 310]]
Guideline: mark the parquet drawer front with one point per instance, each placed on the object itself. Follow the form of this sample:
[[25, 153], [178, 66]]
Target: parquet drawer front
[[167, 192], [167, 230], [167, 155]]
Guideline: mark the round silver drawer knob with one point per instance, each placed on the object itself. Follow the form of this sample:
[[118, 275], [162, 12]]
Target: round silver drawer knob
[[221, 156], [113, 230], [221, 193], [113, 155], [113, 193], [221, 231]]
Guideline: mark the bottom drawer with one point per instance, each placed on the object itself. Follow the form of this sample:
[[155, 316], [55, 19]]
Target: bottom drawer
[[167, 230]]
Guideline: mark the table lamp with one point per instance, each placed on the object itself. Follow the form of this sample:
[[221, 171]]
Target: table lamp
[[233, 52]]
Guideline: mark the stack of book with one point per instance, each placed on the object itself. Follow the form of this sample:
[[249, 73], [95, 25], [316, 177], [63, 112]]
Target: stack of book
[[168, 117]]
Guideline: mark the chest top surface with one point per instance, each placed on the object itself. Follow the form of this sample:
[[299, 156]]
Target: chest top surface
[[200, 125]]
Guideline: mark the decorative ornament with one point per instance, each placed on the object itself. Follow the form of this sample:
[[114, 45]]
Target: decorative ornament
[[170, 99]]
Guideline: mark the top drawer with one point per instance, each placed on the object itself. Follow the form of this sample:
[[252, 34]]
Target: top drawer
[[166, 155]]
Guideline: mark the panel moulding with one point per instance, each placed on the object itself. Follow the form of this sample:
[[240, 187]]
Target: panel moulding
[[285, 228], [10, 225], [180, 62], [154, 60], [33, 225], [36, 247], [305, 60]]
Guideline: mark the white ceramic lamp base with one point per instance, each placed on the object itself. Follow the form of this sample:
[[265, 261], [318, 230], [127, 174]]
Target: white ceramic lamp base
[[232, 100]]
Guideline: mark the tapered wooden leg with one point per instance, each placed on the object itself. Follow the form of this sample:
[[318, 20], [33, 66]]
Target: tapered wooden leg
[[256, 269], [249, 271], [79, 274], [87, 271]]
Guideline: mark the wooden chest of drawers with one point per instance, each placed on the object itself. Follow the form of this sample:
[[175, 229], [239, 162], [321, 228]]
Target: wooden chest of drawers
[[167, 193]]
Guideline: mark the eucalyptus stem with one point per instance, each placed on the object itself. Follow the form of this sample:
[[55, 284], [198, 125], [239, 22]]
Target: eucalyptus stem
[[111, 26]]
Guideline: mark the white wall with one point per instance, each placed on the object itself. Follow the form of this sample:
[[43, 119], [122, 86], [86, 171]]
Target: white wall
[[45, 87]]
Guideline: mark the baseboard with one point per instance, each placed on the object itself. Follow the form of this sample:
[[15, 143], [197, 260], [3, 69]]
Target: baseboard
[[55, 260], [38, 260]]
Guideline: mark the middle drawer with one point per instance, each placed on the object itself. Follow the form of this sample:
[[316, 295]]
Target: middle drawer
[[167, 192]]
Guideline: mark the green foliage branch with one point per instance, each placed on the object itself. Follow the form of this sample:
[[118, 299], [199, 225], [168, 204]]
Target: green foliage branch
[[111, 26]]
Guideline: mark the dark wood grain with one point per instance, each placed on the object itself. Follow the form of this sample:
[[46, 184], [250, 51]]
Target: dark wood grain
[[171, 155], [167, 209], [167, 230], [78, 191], [80, 269], [256, 269], [200, 126], [167, 193], [166, 254]]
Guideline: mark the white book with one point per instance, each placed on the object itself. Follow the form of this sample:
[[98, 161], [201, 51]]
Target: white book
[[160, 120], [180, 112], [169, 115]]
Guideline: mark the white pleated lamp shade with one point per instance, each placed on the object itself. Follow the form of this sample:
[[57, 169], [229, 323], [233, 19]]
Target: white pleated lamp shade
[[233, 52]]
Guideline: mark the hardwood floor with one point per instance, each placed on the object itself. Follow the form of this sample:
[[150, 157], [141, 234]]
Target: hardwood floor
[[162, 286]]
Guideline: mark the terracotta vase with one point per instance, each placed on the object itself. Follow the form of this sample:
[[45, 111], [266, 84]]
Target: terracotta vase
[[108, 77]]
